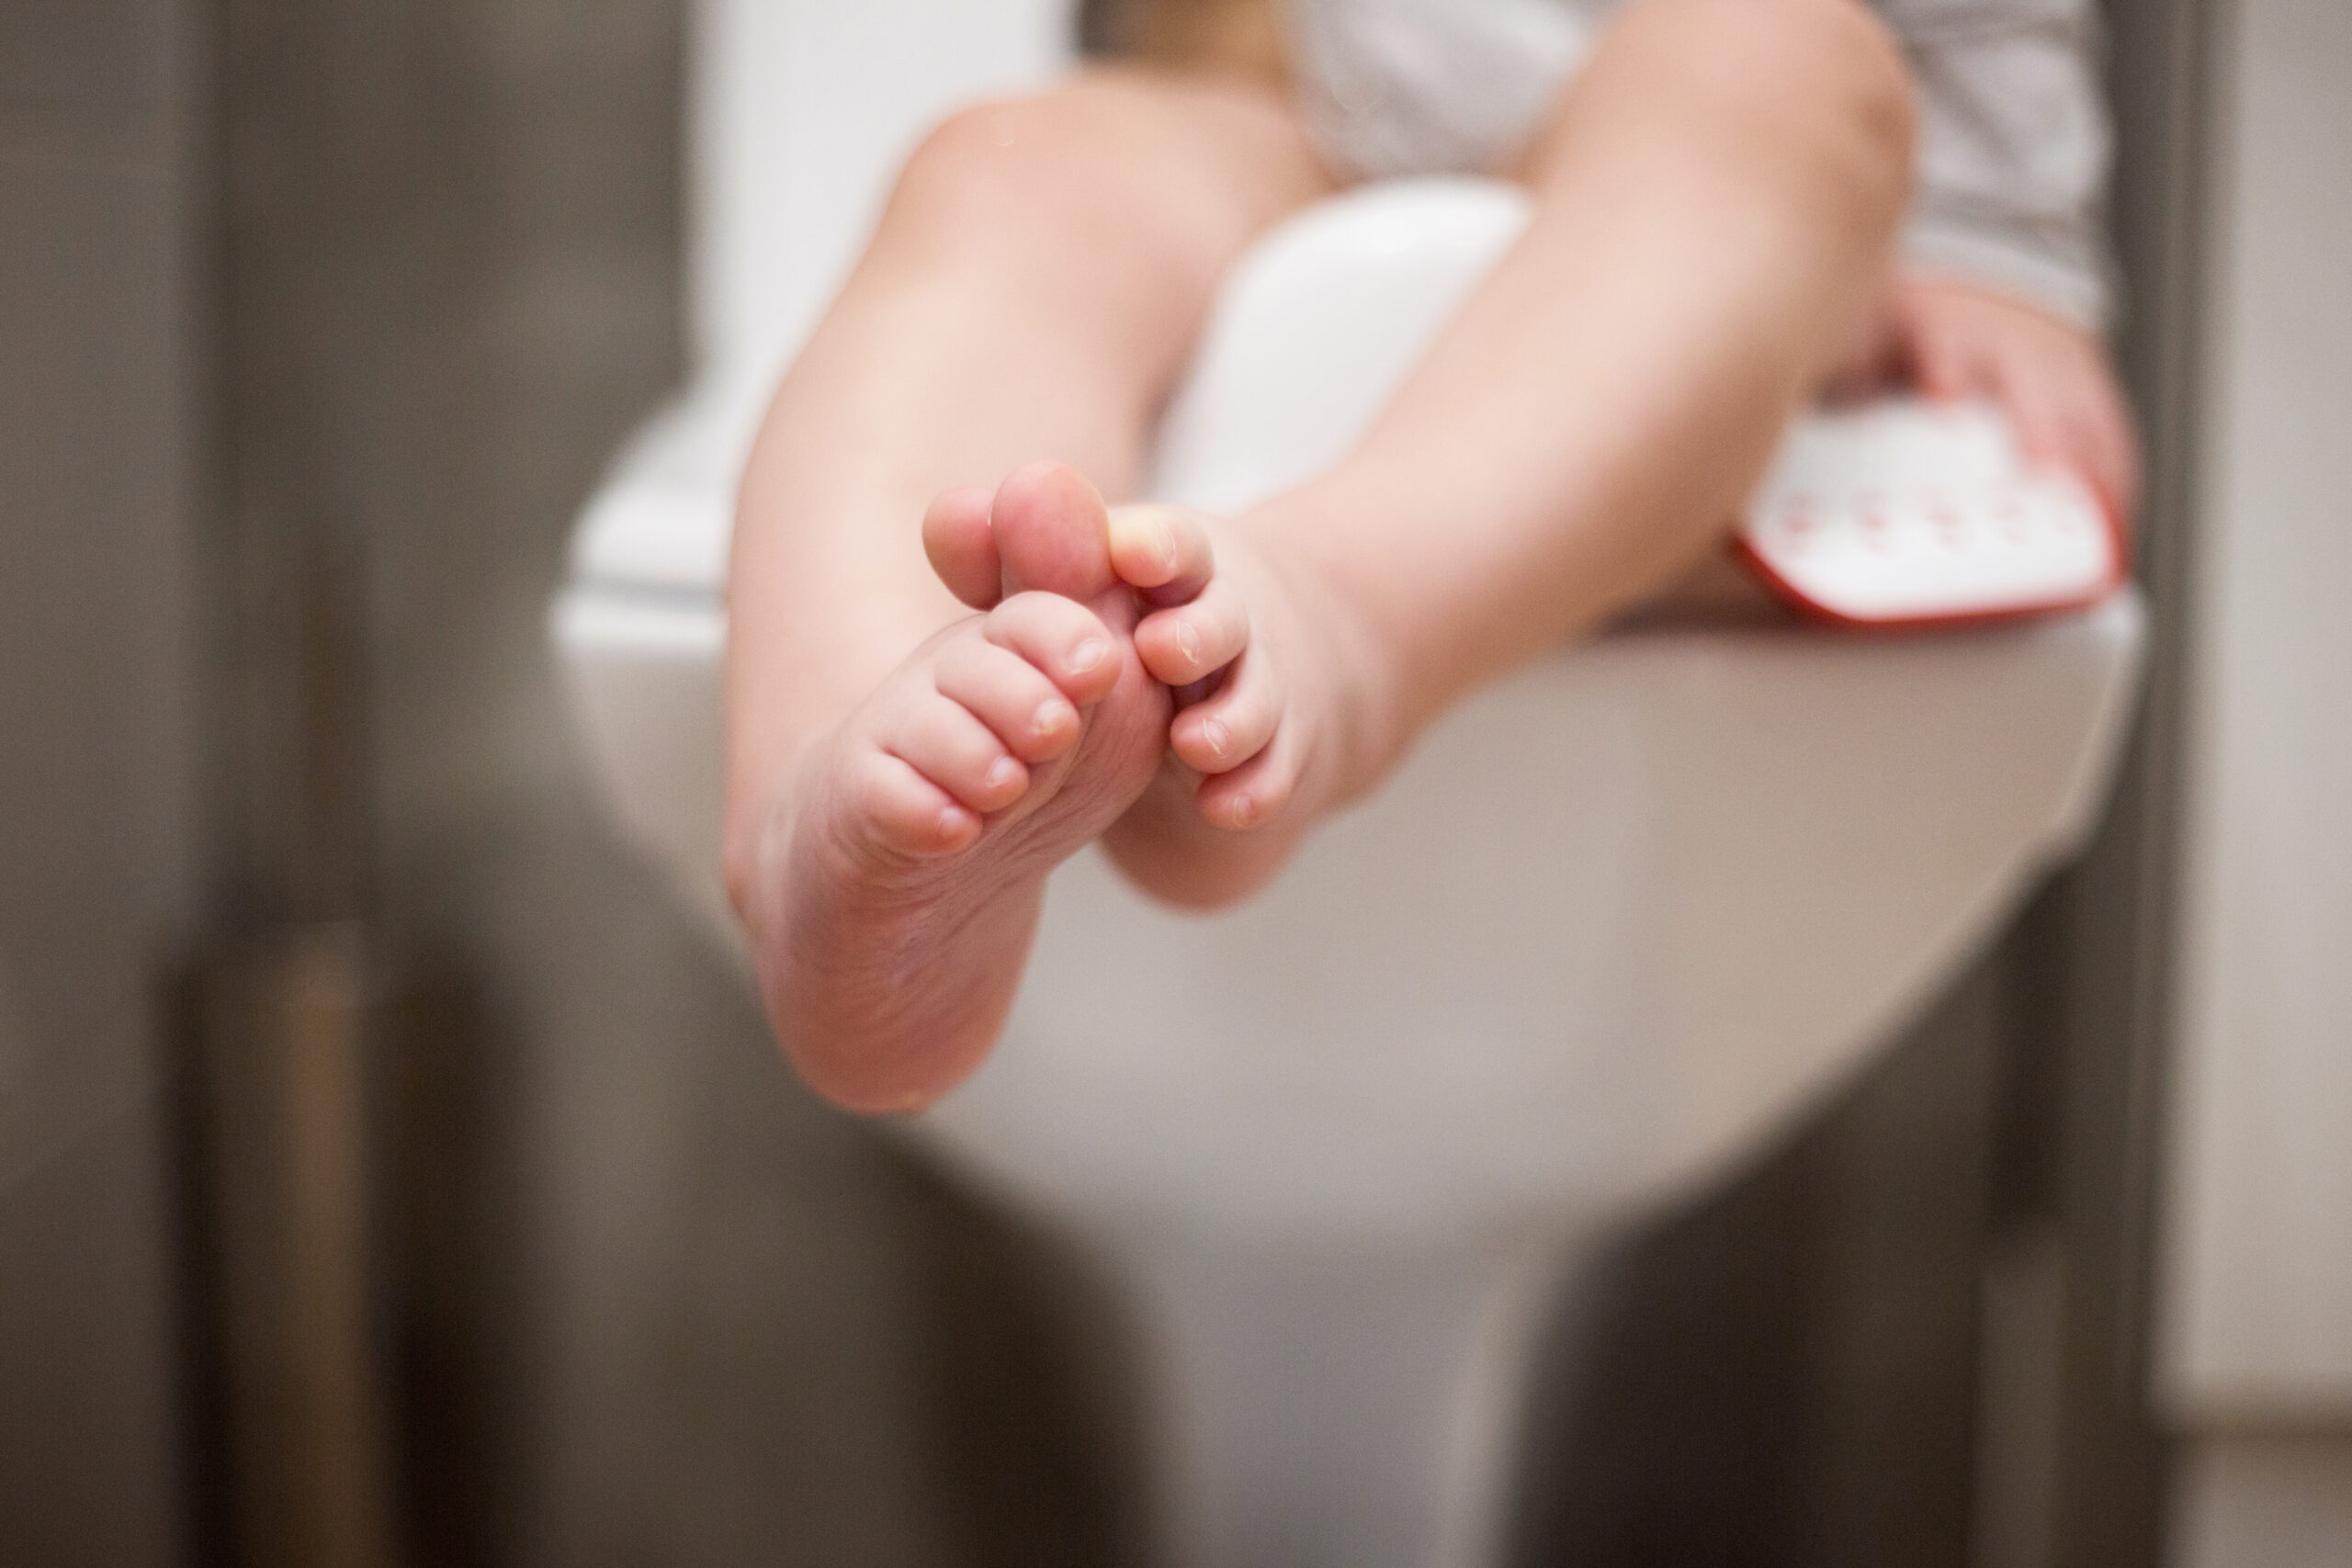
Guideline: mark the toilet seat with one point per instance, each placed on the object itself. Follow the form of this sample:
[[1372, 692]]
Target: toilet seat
[[1617, 919], [1766, 843]]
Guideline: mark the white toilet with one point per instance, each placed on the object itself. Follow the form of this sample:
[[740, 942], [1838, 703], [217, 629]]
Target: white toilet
[[1616, 921]]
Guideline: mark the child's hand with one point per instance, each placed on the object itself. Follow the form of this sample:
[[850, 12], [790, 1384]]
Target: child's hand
[[1947, 340]]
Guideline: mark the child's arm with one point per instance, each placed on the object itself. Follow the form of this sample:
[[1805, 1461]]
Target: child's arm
[[2003, 283]]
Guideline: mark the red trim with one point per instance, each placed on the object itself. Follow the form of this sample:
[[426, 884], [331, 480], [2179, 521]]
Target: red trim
[[1820, 614]]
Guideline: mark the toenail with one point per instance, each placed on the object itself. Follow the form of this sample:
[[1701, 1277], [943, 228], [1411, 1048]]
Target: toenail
[[1188, 642], [1001, 772], [1054, 716], [1213, 736], [1088, 654]]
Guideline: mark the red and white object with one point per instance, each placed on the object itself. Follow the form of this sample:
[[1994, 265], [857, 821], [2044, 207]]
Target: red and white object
[[1909, 513]]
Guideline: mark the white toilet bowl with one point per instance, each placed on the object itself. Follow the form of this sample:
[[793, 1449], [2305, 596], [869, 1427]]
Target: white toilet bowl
[[1615, 922]]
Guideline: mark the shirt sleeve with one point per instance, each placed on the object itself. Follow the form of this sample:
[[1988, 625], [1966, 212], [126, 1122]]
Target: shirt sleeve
[[2013, 150]]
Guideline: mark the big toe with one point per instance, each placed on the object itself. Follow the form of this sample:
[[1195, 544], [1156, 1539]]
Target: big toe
[[1053, 533]]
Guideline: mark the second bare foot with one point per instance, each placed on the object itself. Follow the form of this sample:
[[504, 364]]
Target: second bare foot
[[1276, 720]]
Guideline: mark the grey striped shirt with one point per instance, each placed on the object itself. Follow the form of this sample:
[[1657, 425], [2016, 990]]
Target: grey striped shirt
[[2013, 132]]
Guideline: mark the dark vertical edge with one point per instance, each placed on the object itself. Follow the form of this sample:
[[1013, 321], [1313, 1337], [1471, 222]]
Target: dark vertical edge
[[198, 68], [434, 1203], [2094, 956], [2165, 87], [200, 1390]]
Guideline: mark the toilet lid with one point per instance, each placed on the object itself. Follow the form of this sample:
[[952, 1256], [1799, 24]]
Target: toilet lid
[[1910, 513]]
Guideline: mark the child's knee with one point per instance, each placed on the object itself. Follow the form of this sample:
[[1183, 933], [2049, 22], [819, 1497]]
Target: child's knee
[[1059, 169], [1814, 80], [1825, 72]]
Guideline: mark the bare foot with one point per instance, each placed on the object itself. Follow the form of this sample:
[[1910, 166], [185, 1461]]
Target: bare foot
[[1283, 714], [893, 915], [1275, 723]]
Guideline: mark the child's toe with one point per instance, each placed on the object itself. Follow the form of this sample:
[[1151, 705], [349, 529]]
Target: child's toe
[[1252, 793], [1164, 550], [1219, 734], [946, 743], [962, 547], [1062, 638], [1010, 695], [1194, 641], [896, 808], [1051, 532]]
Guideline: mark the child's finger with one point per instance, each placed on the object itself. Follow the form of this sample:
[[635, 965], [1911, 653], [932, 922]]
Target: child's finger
[[1947, 370], [2037, 416], [2105, 435], [2107, 454], [2049, 411]]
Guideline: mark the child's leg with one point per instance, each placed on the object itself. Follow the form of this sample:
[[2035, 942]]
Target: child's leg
[[1713, 212], [902, 773], [1714, 208]]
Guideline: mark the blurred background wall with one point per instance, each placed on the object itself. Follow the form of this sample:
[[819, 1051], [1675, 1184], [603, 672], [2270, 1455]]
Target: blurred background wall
[[100, 324], [2257, 1364], [662, 1309]]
